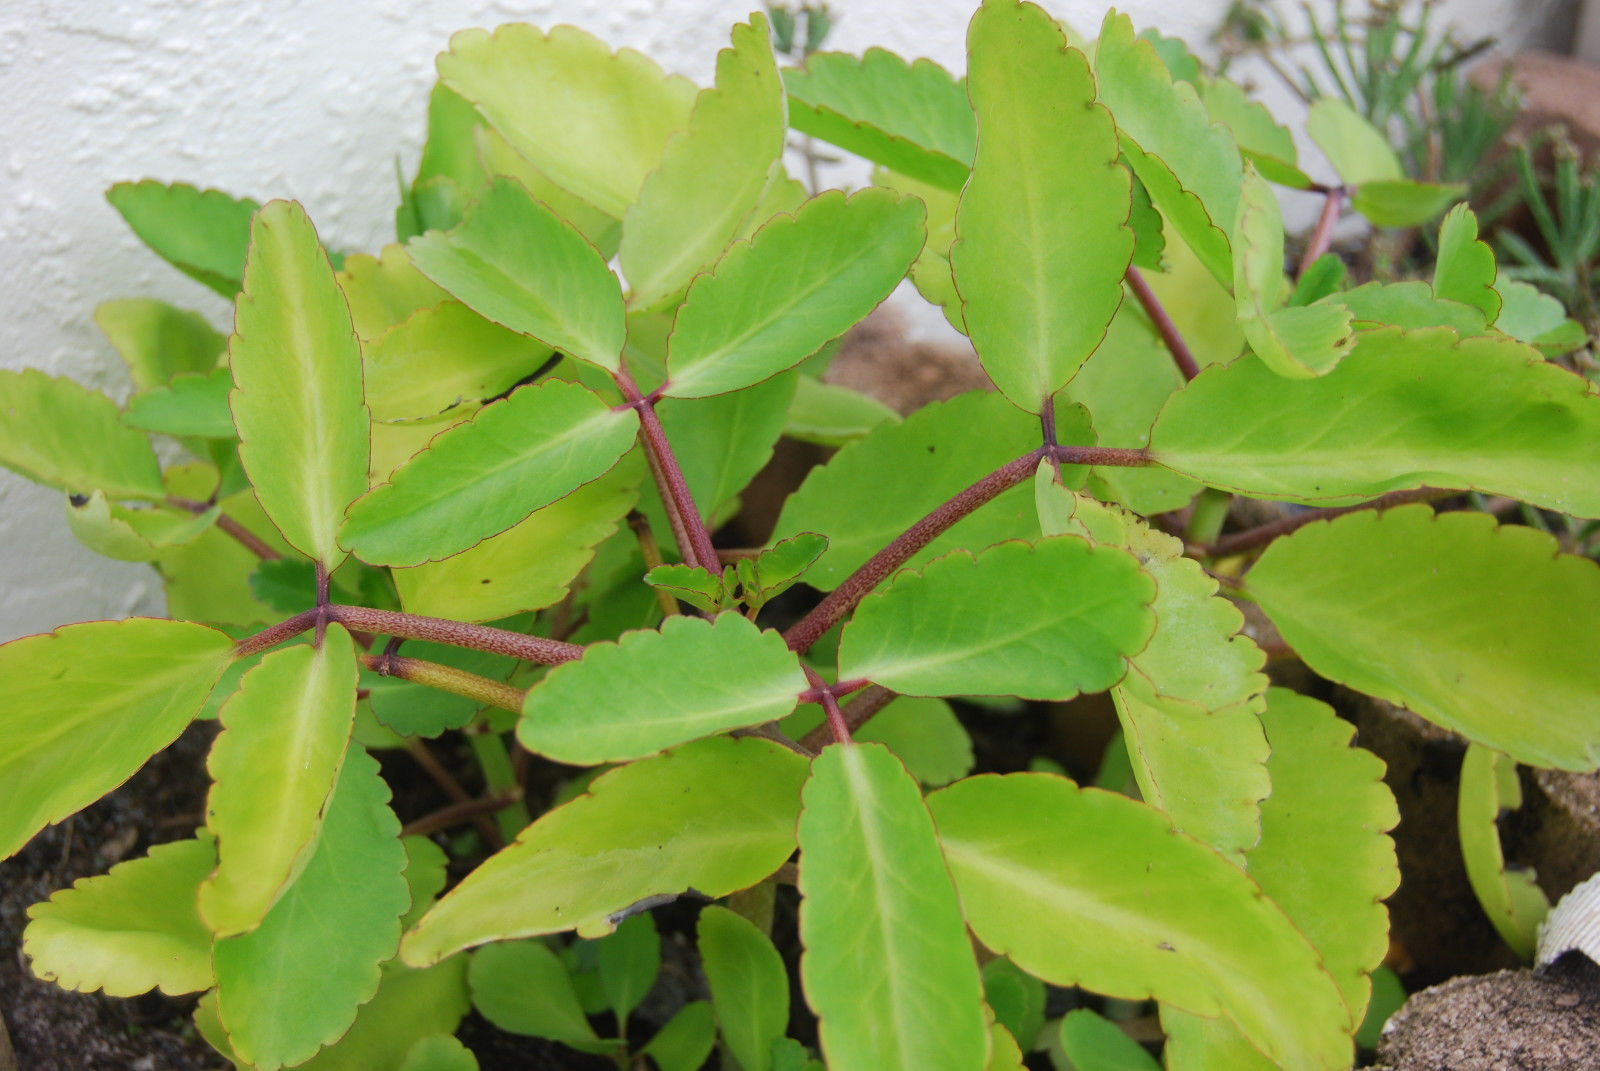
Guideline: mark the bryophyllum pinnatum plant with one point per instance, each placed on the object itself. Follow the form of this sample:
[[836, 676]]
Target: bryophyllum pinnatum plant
[[469, 483]]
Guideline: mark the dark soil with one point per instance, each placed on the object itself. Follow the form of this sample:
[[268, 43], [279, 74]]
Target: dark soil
[[56, 1030]]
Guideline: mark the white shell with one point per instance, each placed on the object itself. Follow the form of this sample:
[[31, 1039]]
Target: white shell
[[1574, 923]]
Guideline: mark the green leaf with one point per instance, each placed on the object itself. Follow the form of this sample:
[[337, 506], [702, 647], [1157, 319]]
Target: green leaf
[[439, 1052], [687, 1039], [1094, 1044], [653, 690], [1262, 141], [1189, 165], [498, 157], [831, 415], [1358, 151], [530, 565], [1016, 998], [410, 1006], [62, 435], [930, 272], [717, 815], [425, 875], [1536, 318], [1410, 304], [442, 357], [617, 109], [1084, 887], [630, 959], [515, 262], [1324, 278], [1195, 688], [712, 177], [158, 341], [698, 587], [1041, 237], [385, 290], [1491, 645], [522, 987], [912, 117], [202, 233], [293, 984], [1298, 341], [481, 477], [888, 966], [1511, 898], [1465, 270], [133, 535], [875, 488], [780, 566], [749, 985], [451, 150], [1199, 1044], [1045, 621], [797, 282], [87, 704], [1324, 856], [924, 734], [303, 425], [189, 405], [128, 931], [722, 442], [1388, 996], [1402, 410], [1403, 203], [274, 766], [1123, 386]]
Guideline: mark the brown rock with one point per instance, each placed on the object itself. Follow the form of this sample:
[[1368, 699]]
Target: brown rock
[[1557, 831], [1545, 1020], [877, 359], [1555, 90]]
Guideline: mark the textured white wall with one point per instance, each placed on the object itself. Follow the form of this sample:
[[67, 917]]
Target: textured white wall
[[290, 98]]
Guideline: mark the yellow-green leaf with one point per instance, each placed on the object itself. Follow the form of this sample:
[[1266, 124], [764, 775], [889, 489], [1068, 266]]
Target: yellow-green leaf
[[86, 705], [284, 734], [711, 177], [1492, 638], [128, 931], [717, 815], [1512, 899], [479, 478], [1041, 236], [303, 424], [62, 435], [1084, 887], [887, 966], [614, 116]]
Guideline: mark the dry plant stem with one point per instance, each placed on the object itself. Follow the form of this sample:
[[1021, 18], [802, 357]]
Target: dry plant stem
[[1163, 324], [1322, 234], [1251, 538], [247, 539], [694, 542], [650, 551], [855, 714], [451, 787], [476, 811], [490, 693], [856, 586], [413, 627]]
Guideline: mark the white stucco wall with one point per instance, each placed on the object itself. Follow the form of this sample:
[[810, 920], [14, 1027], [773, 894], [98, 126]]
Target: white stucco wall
[[308, 99]]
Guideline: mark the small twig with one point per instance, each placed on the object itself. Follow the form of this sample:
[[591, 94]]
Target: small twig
[[456, 634], [460, 682], [475, 811], [1322, 235], [247, 539], [452, 788], [1163, 324], [1251, 538]]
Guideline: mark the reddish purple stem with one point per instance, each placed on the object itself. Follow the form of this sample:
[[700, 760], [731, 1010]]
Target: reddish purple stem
[[688, 528], [1322, 235], [414, 627], [1163, 324]]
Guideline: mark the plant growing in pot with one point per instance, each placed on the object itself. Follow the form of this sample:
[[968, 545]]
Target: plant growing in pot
[[470, 484]]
